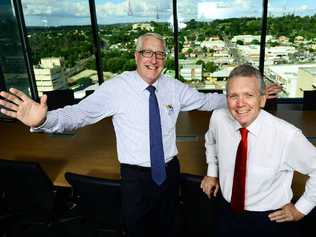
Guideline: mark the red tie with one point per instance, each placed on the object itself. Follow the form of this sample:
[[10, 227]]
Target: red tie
[[239, 185]]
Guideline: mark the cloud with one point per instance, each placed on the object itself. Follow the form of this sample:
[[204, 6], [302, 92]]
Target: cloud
[[245, 4], [109, 9], [117, 10], [138, 8], [80, 8], [187, 9], [303, 8]]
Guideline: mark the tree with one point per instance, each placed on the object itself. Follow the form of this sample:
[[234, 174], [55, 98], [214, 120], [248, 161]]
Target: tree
[[129, 65], [200, 62], [170, 64], [210, 67], [274, 43], [114, 64], [181, 56], [240, 42], [255, 42], [201, 37]]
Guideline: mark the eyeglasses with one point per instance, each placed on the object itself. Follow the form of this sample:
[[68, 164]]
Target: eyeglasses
[[149, 53]]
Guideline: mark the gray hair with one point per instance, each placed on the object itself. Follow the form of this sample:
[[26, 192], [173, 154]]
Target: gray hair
[[140, 40], [246, 70]]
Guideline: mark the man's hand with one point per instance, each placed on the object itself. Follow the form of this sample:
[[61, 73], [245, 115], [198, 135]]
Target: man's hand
[[286, 213], [210, 186], [18, 105], [272, 90]]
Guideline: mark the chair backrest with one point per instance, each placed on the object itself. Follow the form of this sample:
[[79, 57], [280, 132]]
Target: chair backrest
[[28, 190], [88, 92], [59, 98], [271, 104], [197, 208], [218, 91], [99, 200], [309, 100]]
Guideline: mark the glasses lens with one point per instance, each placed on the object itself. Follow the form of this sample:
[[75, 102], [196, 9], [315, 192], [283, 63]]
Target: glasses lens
[[160, 55], [149, 53]]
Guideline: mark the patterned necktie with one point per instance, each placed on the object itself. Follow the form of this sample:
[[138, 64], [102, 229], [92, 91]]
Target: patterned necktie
[[157, 160], [239, 184]]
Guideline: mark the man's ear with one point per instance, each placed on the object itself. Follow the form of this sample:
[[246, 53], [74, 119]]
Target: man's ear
[[263, 100]]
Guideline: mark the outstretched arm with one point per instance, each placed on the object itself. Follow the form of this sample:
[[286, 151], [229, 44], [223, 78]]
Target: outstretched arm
[[18, 105]]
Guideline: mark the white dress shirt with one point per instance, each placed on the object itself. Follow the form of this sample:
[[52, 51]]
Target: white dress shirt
[[275, 149], [126, 99]]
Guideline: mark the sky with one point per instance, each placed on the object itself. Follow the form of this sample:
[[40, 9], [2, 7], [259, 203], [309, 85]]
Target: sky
[[76, 12]]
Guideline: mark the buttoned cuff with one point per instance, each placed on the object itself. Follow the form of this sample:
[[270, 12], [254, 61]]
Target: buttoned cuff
[[212, 171], [304, 206], [47, 125]]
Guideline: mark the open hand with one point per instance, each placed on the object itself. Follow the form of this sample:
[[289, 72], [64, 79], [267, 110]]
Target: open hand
[[18, 105]]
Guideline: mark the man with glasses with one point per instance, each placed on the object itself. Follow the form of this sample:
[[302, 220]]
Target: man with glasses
[[144, 105]]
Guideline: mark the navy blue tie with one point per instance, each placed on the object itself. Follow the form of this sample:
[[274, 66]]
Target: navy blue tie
[[157, 160]]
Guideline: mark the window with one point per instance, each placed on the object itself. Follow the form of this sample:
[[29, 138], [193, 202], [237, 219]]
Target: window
[[13, 68], [214, 37], [59, 33], [290, 55], [120, 22]]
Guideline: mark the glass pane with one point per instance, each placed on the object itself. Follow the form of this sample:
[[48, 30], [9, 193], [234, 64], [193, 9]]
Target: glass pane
[[122, 21], [12, 61], [290, 57], [214, 37], [60, 37]]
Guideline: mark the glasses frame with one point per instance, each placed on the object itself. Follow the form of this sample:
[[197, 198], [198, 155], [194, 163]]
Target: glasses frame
[[147, 53]]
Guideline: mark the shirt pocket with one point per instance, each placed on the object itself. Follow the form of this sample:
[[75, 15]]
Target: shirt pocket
[[169, 114]]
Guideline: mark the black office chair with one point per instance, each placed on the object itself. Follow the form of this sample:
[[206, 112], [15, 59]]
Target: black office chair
[[59, 98], [31, 199], [99, 203], [309, 100], [196, 208], [5, 216], [88, 92], [271, 105]]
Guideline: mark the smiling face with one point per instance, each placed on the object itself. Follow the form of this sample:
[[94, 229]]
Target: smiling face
[[150, 68], [244, 100]]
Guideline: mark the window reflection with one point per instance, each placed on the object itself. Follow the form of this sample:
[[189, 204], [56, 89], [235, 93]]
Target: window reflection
[[214, 37], [290, 57], [60, 38], [121, 22], [12, 62]]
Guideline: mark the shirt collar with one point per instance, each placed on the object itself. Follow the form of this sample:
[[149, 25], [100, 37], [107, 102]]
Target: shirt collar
[[141, 85], [255, 126]]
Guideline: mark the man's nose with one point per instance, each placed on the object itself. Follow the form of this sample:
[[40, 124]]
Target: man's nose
[[240, 101], [154, 58]]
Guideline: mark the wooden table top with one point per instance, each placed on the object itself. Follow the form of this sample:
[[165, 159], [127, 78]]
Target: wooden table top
[[92, 150]]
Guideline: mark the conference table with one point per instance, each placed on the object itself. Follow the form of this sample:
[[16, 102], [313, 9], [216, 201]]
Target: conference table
[[92, 150]]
